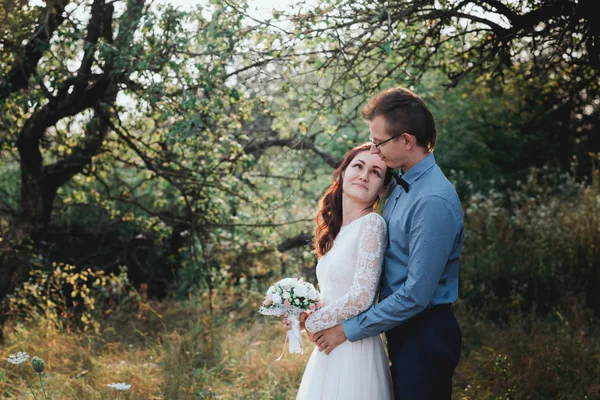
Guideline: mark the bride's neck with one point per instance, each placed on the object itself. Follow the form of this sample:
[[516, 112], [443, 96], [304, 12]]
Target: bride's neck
[[351, 210]]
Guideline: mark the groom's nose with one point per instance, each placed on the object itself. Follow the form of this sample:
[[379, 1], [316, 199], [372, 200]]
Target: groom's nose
[[374, 149]]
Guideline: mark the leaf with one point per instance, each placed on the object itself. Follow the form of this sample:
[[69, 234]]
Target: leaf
[[387, 48]]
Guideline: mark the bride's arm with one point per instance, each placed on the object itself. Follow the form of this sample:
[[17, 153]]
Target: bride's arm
[[370, 252]]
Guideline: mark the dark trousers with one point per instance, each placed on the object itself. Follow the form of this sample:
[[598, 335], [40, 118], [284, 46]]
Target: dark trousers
[[424, 352]]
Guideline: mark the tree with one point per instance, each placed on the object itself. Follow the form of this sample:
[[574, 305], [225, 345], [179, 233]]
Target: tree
[[61, 117], [48, 99], [166, 114], [547, 48]]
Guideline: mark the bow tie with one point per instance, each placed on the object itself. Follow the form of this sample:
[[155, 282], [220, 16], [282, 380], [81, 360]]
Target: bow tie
[[400, 181]]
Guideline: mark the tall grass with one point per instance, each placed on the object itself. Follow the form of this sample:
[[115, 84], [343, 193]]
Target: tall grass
[[533, 247], [177, 350]]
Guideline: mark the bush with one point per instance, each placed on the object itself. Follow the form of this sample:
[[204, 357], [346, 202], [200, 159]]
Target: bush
[[533, 247], [69, 298], [528, 357]]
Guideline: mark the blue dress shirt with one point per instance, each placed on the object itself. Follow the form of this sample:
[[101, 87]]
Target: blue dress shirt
[[425, 238]]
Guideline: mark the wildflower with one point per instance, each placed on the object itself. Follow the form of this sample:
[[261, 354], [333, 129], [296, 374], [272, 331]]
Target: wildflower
[[38, 364], [19, 359], [119, 387]]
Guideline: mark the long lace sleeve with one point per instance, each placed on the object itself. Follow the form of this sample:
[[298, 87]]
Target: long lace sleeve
[[370, 251]]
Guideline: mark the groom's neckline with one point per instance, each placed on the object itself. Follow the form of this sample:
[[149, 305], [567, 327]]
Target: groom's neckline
[[418, 169]]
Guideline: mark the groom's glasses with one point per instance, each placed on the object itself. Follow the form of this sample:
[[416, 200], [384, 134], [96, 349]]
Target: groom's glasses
[[380, 143]]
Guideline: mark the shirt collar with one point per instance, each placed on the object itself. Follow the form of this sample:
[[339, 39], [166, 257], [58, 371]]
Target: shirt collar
[[419, 169]]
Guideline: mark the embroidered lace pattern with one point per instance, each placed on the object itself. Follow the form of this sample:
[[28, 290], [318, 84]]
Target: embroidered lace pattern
[[349, 272]]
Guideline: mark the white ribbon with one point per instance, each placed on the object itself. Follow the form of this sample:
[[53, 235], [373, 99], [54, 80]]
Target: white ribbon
[[294, 337]]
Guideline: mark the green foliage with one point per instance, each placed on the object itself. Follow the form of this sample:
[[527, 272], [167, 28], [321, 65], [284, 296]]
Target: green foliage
[[9, 196], [68, 298], [178, 158], [528, 357], [532, 247], [207, 100]]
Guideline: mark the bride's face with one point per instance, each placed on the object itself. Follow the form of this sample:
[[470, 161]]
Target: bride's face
[[363, 177]]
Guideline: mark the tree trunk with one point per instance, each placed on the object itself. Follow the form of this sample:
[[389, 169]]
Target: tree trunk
[[15, 249], [39, 185]]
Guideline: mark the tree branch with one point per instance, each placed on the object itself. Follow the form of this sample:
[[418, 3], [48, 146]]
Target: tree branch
[[93, 33], [257, 148], [30, 54], [62, 171], [301, 240]]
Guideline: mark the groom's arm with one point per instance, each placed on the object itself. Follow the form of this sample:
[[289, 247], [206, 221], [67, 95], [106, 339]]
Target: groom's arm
[[435, 229]]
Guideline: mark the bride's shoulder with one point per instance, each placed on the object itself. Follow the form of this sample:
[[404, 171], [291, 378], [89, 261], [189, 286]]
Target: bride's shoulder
[[375, 220]]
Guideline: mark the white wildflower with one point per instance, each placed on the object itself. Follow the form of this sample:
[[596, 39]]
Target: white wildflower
[[19, 359], [119, 387], [286, 295]]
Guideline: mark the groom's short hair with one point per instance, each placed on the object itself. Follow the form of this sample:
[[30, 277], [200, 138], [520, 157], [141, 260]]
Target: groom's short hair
[[403, 111]]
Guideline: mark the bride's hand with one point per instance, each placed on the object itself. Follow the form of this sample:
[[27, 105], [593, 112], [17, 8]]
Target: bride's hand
[[302, 318], [287, 325]]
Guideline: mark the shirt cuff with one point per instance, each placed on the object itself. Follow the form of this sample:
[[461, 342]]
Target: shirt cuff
[[352, 329]]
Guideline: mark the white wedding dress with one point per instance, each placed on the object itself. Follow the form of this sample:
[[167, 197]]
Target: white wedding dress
[[348, 276]]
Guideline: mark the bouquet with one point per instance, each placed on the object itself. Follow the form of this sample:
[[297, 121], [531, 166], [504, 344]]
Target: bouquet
[[291, 297]]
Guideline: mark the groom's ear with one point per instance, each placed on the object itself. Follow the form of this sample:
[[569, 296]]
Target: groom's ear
[[409, 140]]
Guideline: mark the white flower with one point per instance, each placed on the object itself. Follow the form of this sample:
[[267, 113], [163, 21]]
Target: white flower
[[119, 387], [287, 283], [19, 359], [271, 290], [300, 291], [286, 295], [312, 294], [297, 301], [276, 298]]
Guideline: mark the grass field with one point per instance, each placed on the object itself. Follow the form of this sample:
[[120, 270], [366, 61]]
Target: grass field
[[183, 350]]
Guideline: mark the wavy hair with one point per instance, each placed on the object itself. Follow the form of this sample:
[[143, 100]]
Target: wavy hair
[[329, 216]]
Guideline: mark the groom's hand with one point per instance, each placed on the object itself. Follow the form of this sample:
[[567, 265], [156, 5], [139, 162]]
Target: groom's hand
[[329, 339]]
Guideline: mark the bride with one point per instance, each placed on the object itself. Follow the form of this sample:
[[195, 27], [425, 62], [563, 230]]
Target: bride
[[350, 241]]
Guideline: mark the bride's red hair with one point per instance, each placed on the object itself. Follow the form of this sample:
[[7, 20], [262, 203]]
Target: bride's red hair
[[329, 216]]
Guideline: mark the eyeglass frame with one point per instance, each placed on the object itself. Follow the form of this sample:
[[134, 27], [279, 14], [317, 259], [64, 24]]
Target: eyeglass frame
[[381, 143]]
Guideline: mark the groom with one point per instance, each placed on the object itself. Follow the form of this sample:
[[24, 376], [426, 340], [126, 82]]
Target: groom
[[420, 272]]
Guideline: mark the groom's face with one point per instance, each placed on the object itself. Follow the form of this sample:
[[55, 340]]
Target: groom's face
[[392, 151]]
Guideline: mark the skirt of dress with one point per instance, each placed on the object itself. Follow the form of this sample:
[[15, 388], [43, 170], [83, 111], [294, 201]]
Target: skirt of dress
[[353, 370]]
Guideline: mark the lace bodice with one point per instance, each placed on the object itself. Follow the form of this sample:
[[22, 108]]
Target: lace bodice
[[349, 272]]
